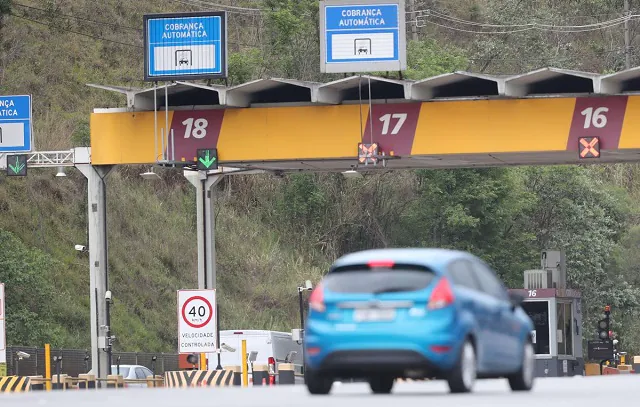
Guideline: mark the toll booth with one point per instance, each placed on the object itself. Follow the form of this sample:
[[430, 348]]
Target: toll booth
[[557, 316]]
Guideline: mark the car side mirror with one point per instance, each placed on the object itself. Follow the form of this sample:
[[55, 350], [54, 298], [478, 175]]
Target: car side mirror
[[516, 300]]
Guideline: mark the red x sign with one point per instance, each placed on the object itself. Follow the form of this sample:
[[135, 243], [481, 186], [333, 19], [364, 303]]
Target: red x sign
[[589, 147], [367, 153]]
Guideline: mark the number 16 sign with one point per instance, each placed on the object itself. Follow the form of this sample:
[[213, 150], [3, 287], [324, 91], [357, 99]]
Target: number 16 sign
[[197, 321]]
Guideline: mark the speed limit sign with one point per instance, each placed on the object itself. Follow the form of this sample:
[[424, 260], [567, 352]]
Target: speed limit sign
[[197, 321]]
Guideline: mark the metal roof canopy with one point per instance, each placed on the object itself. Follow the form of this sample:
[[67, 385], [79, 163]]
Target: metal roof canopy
[[178, 94], [457, 85], [619, 82], [263, 91], [550, 81], [349, 89], [545, 82], [181, 94]]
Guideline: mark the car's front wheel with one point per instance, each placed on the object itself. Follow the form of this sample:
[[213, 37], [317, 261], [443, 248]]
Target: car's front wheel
[[317, 383], [381, 384], [463, 376], [523, 379]]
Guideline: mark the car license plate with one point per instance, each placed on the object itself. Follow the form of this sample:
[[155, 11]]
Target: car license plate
[[374, 315]]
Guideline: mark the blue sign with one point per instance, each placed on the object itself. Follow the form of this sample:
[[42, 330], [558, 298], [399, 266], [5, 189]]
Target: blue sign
[[15, 123], [363, 33], [185, 46]]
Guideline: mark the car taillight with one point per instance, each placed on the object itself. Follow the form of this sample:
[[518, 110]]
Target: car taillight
[[272, 365], [316, 300], [442, 296]]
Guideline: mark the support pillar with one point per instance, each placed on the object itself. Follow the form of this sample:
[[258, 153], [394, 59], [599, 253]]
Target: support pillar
[[98, 267], [206, 228]]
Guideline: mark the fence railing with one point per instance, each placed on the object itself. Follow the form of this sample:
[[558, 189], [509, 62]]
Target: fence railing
[[78, 361]]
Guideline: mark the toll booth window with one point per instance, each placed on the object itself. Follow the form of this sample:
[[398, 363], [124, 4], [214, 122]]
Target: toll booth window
[[538, 311], [564, 330]]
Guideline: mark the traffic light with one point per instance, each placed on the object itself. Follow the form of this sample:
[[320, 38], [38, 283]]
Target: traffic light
[[207, 159], [604, 332]]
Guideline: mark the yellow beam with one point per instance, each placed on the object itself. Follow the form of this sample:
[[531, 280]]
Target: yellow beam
[[535, 126]]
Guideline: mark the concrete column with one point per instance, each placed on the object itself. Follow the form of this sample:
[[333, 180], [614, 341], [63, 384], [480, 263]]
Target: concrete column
[[98, 271], [192, 177], [205, 200]]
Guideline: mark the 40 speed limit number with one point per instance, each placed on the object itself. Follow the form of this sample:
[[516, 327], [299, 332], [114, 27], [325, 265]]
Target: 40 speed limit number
[[197, 321]]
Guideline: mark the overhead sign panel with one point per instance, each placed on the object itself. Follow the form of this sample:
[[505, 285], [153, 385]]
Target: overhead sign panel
[[15, 123], [185, 46], [197, 322], [362, 36]]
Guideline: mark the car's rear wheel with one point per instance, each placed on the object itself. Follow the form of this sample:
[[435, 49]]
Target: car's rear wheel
[[463, 376], [523, 379], [381, 384], [317, 383]]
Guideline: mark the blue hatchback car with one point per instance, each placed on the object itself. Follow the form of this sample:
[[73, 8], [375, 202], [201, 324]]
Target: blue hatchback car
[[384, 314]]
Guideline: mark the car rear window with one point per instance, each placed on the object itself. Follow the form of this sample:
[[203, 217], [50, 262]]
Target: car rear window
[[362, 279]]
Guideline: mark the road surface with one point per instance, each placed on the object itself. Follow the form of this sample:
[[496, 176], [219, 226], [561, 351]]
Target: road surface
[[596, 391]]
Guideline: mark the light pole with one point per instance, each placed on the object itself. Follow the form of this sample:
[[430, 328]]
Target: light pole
[[219, 367], [109, 301], [307, 287], [20, 355]]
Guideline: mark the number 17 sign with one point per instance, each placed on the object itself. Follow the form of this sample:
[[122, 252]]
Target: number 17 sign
[[197, 321]]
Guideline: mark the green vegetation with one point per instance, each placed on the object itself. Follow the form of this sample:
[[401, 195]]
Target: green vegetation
[[273, 233]]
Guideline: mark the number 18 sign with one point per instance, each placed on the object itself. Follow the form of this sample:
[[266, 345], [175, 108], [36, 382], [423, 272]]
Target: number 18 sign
[[197, 321]]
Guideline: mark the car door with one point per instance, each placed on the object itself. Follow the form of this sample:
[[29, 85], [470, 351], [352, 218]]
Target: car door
[[473, 304], [502, 327]]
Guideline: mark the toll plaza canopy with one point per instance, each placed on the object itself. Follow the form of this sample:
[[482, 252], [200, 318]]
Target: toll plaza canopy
[[461, 119]]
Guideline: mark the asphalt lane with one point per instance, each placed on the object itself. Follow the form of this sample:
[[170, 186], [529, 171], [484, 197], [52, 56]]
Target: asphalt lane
[[580, 391]]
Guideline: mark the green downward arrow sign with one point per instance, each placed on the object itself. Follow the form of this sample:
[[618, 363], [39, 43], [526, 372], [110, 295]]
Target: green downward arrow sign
[[18, 167], [207, 161]]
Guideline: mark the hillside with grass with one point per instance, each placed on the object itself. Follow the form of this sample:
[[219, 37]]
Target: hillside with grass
[[275, 232]]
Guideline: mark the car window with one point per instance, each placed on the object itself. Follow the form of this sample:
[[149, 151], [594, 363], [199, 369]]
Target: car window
[[488, 280], [462, 274], [147, 372], [364, 280], [140, 374]]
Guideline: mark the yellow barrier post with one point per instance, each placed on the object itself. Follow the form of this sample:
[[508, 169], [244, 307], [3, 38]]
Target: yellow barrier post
[[47, 366], [203, 361], [245, 367]]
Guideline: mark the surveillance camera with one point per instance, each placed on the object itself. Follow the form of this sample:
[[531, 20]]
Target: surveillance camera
[[80, 248], [107, 296], [23, 355], [308, 285]]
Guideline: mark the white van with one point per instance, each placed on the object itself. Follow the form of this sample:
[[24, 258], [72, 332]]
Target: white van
[[272, 348]]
